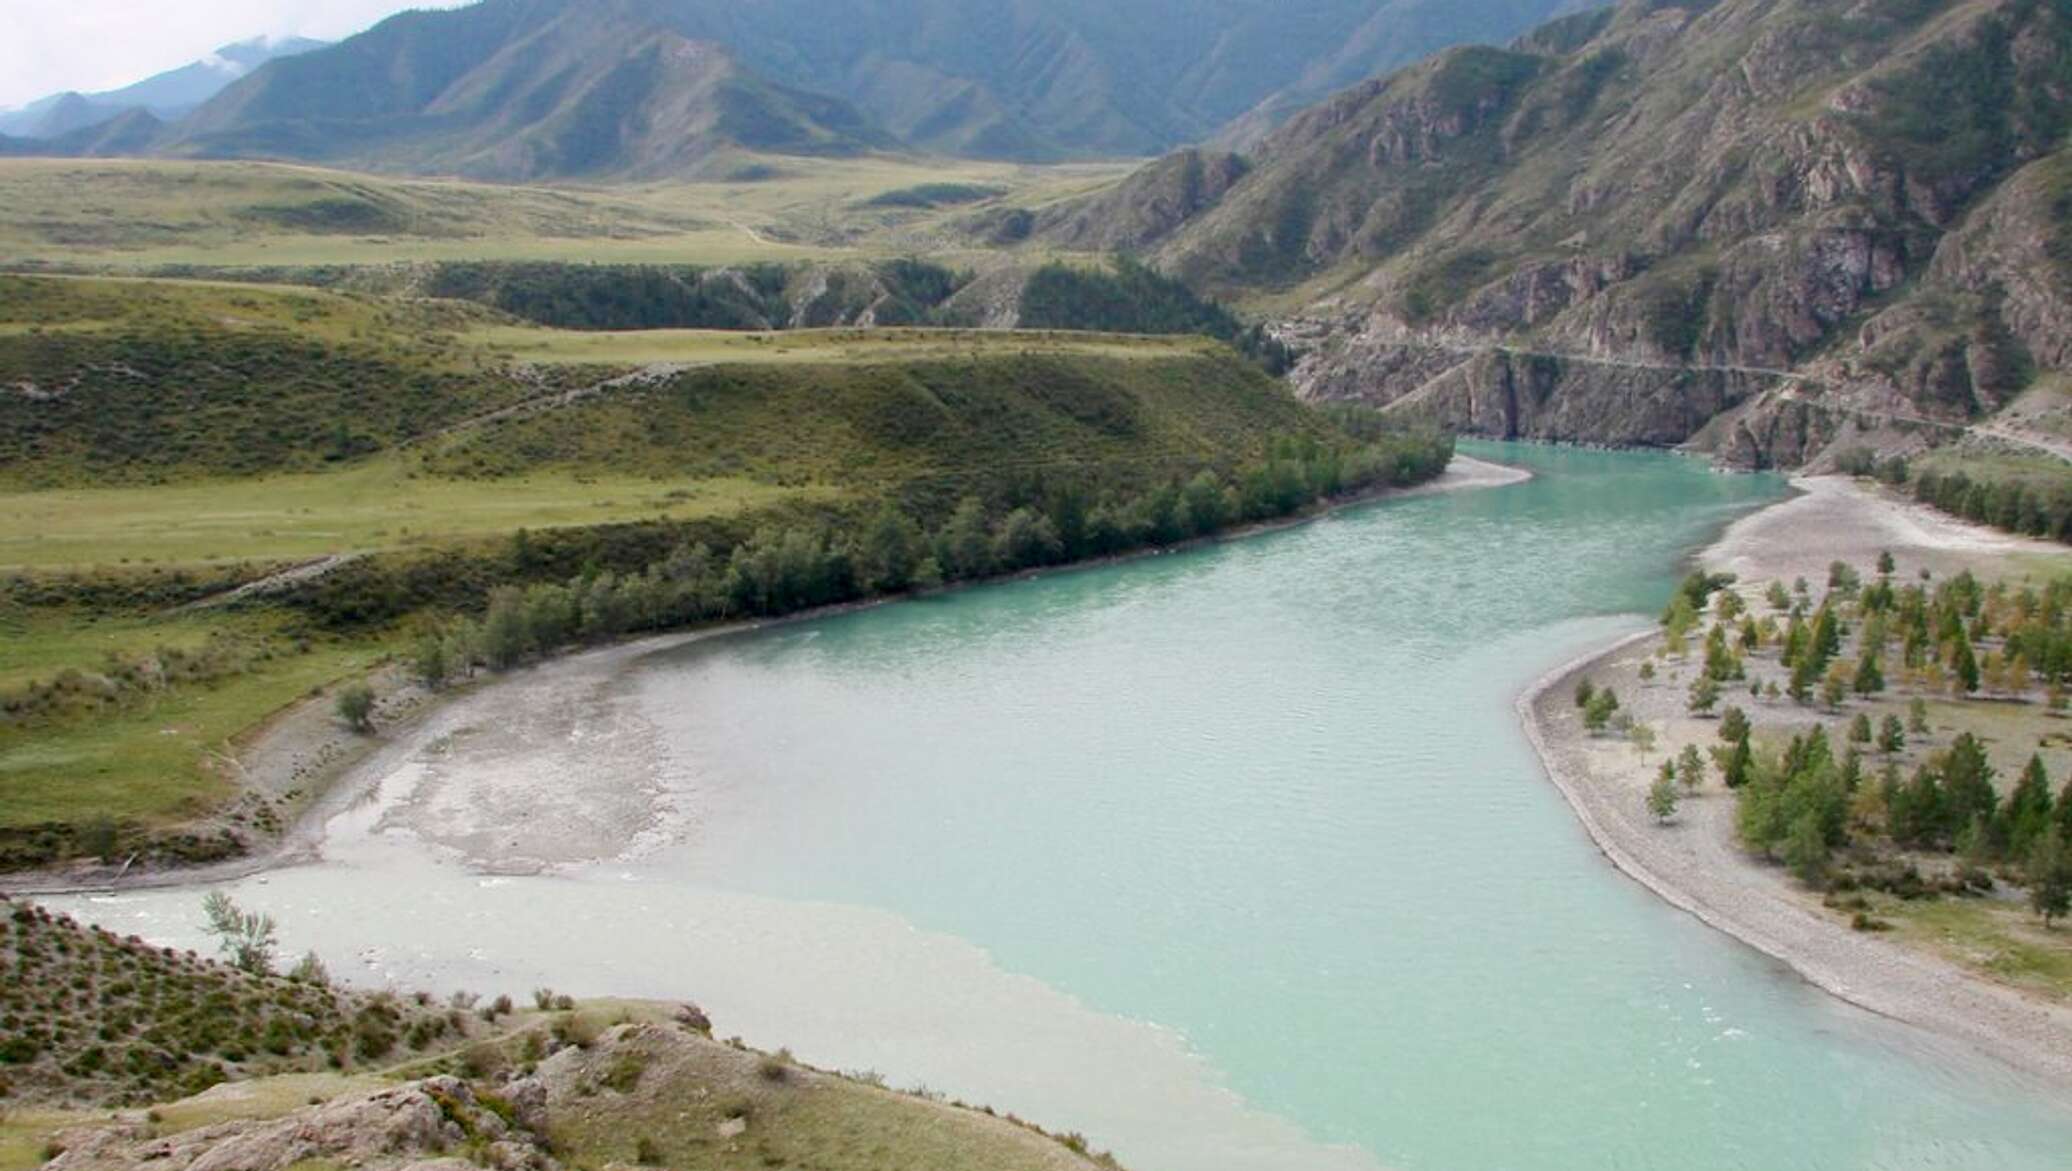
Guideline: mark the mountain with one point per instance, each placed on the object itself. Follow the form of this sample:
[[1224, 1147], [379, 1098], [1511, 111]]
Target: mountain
[[168, 96], [1776, 228], [517, 91], [1019, 79]]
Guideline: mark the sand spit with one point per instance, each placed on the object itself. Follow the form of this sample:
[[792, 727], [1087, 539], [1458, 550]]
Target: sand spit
[[1696, 864]]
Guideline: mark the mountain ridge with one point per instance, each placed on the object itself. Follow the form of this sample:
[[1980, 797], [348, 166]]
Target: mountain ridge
[[1493, 237], [168, 95], [1029, 80]]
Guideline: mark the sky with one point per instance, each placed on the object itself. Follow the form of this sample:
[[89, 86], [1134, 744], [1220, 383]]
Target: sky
[[48, 46]]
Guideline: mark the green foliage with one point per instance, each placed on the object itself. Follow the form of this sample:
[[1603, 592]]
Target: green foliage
[[1133, 298], [95, 1018], [1662, 795], [2038, 505], [356, 706], [246, 938], [653, 296], [2049, 873], [1796, 807]]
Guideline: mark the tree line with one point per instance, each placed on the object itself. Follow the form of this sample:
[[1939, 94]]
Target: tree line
[[782, 569]]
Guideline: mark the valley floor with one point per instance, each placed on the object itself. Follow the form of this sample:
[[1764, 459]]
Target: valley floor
[[1695, 860]]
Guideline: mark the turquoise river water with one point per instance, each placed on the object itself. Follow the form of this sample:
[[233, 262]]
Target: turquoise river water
[[1229, 858]]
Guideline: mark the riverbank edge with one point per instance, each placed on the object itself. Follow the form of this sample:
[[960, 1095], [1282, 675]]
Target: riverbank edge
[[2042, 1051], [342, 751]]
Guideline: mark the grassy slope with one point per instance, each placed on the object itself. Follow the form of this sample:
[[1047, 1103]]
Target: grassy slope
[[144, 215], [199, 1022], [737, 426]]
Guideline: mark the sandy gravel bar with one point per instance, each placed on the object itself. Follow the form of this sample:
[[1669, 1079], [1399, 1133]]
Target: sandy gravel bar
[[1696, 864]]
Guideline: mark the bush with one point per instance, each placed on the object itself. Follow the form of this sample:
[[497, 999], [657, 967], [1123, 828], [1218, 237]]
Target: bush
[[356, 707]]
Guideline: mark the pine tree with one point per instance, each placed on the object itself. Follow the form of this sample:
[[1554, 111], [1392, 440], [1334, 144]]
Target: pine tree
[[1892, 735], [1662, 796], [1690, 767], [1965, 664], [1733, 724], [2026, 815], [1860, 729], [1869, 679], [1740, 763], [1968, 782], [2049, 872], [1704, 695]]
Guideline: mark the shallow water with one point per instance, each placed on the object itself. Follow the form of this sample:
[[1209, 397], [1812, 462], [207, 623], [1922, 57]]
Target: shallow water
[[1232, 858]]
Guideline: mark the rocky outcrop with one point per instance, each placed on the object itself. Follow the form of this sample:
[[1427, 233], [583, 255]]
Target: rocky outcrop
[[1837, 220], [417, 1127]]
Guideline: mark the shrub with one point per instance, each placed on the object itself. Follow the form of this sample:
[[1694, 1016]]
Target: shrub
[[356, 707]]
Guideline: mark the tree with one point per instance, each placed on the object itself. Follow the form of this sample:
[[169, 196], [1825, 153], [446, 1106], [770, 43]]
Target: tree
[[1917, 717], [1869, 678], [1834, 688], [2049, 873], [1662, 797], [1733, 724], [1584, 691], [356, 706], [2025, 817], [1860, 729], [1027, 538], [245, 937], [506, 637], [1642, 736], [1806, 848], [431, 659], [889, 552], [1892, 735], [1968, 783], [1704, 695], [1803, 674], [1647, 671], [963, 548], [1597, 714], [1207, 503], [1965, 664], [1690, 767], [1739, 767]]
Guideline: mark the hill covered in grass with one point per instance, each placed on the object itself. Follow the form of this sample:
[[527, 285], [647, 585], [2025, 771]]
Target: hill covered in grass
[[218, 498], [323, 1075], [88, 1018]]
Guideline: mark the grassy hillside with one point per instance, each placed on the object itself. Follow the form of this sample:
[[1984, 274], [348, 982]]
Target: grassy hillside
[[326, 1076], [96, 1019], [396, 473], [147, 215]]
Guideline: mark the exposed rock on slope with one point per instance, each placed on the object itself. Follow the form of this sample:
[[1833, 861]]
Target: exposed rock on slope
[[638, 1094], [1827, 217]]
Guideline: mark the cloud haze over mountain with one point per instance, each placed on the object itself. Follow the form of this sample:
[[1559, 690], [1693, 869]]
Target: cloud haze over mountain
[[89, 45]]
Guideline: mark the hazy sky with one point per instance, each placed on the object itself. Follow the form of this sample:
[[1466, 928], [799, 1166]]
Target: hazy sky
[[52, 45]]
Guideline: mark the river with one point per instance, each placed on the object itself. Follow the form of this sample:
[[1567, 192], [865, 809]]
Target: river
[[1231, 858]]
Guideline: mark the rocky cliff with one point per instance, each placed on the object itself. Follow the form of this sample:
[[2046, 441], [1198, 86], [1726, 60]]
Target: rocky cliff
[[1767, 227]]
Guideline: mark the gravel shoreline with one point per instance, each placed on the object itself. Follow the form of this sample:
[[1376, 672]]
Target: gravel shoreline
[[1695, 864]]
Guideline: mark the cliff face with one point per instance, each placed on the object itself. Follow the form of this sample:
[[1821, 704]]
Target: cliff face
[[1763, 226]]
